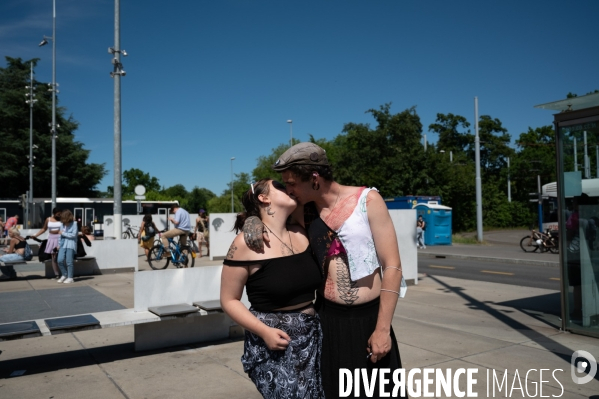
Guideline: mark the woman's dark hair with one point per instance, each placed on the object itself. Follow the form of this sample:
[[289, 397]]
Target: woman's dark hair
[[305, 171], [86, 230], [148, 218], [56, 210], [251, 203]]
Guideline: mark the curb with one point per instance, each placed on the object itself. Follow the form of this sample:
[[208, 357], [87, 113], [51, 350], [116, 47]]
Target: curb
[[490, 259]]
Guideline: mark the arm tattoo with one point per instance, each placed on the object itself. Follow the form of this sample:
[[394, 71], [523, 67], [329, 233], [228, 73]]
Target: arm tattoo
[[347, 291], [231, 252], [252, 233]]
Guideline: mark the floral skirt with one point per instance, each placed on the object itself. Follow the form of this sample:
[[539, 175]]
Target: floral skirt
[[294, 372]]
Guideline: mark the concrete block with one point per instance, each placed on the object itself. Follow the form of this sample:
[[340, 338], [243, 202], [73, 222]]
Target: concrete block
[[404, 221], [181, 331]]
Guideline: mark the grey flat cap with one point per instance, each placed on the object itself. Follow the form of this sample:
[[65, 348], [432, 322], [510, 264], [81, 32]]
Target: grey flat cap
[[302, 154]]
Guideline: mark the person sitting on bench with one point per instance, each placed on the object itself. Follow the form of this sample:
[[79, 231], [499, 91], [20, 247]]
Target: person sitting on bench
[[14, 254]]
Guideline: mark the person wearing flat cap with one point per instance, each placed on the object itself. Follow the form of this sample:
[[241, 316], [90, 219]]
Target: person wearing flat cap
[[353, 239]]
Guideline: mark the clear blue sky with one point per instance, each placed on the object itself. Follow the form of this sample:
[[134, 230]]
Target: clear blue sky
[[211, 80]]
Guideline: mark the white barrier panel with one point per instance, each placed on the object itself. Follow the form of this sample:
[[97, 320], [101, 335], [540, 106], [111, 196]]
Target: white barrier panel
[[173, 286], [221, 234], [404, 221], [114, 254]]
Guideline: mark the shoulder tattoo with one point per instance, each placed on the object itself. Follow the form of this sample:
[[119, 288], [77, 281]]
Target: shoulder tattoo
[[232, 250]]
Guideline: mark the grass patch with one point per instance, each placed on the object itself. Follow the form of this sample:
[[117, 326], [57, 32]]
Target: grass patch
[[466, 238]]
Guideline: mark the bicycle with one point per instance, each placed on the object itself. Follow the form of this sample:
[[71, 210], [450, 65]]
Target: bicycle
[[181, 256], [129, 233], [537, 240]]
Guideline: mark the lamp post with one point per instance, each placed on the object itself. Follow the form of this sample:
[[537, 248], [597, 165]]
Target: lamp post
[[31, 100], [290, 132], [479, 200], [232, 209], [116, 75], [53, 86]]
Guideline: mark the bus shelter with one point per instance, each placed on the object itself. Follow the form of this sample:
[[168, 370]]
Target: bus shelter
[[577, 151]]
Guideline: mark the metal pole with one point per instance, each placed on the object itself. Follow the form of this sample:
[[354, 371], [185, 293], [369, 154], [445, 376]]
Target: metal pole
[[587, 169], [290, 132], [509, 188], [424, 135], [118, 213], [53, 104], [597, 160], [575, 154], [540, 203], [479, 201], [232, 206], [30, 196], [450, 156]]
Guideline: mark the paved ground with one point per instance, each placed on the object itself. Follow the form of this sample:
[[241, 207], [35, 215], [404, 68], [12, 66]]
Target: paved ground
[[443, 322]]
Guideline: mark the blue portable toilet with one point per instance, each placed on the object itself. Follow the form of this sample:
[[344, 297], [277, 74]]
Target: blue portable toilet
[[438, 223]]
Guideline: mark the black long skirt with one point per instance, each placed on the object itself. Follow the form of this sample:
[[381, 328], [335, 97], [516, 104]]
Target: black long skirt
[[346, 330], [294, 372]]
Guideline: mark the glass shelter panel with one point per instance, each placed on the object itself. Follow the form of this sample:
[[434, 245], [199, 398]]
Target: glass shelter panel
[[579, 222]]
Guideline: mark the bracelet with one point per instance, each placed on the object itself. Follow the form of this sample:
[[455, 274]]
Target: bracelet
[[395, 292], [391, 267]]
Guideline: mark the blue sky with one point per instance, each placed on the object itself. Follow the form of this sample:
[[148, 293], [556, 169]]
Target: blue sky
[[211, 80]]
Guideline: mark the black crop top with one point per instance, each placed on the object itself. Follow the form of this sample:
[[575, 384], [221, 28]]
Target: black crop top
[[281, 282]]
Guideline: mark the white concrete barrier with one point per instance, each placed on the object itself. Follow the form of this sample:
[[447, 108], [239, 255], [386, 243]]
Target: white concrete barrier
[[108, 256], [221, 234], [404, 221], [177, 286], [172, 286]]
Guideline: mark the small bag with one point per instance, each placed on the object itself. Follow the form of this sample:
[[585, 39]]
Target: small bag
[[41, 253], [193, 236], [28, 254]]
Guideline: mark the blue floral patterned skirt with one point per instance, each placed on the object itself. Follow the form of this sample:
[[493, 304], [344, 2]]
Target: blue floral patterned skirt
[[294, 372]]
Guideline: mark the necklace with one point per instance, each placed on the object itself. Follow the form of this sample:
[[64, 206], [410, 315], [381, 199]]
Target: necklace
[[282, 242]]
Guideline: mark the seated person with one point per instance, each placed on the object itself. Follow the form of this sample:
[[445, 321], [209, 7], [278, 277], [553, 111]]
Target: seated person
[[14, 253]]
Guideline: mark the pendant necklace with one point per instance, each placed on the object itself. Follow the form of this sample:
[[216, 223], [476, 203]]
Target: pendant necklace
[[282, 242]]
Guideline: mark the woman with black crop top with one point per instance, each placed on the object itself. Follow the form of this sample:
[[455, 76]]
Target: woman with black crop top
[[283, 337]]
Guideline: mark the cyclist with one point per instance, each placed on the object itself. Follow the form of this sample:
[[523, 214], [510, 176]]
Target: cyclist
[[182, 227]]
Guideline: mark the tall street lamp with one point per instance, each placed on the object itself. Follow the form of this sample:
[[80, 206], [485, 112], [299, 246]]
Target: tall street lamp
[[53, 86], [232, 209], [116, 75], [31, 100], [290, 132]]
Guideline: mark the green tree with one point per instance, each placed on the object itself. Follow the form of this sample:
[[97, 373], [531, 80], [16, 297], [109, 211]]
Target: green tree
[[74, 176], [389, 157], [448, 127], [198, 199], [222, 204], [263, 169], [133, 177]]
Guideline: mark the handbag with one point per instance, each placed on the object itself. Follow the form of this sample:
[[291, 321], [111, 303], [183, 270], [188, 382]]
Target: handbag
[[80, 249], [41, 253]]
